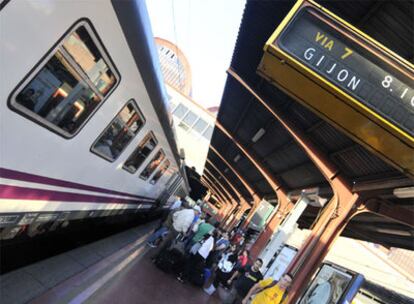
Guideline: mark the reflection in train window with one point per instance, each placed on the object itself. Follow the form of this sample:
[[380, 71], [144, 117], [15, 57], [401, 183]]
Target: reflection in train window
[[160, 172], [137, 157], [82, 49], [154, 163], [70, 85], [119, 133]]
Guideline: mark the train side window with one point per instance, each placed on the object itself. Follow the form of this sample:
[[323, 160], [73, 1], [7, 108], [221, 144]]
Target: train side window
[[154, 163], [66, 88], [83, 50], [145, 147], [120, 132], [160, 172]]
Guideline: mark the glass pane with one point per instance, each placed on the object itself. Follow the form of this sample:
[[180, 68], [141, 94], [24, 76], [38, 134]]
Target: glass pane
[[59, 95], [140, 154], [180, 111], [200, 125], [160, 172], [158, 158], [84, 51], [208, 132], [119, 133], [190, 118]]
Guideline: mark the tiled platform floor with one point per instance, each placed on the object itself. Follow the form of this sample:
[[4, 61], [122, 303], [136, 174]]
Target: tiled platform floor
[[142, 282]]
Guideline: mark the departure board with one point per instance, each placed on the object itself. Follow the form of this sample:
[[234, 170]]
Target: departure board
[[347, 61]]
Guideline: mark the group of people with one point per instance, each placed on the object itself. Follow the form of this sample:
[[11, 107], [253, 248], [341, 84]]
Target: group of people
[[217, 257]]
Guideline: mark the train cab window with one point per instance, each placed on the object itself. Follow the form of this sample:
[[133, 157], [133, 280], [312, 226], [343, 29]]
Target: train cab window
[[137, 157], [160, 172], [120, 132], [154, 163], [69, 85]]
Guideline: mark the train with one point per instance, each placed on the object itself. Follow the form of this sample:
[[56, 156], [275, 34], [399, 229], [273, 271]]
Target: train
[[86, 131]]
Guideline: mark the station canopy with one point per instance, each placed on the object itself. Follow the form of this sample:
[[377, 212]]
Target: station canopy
[[389, 22]]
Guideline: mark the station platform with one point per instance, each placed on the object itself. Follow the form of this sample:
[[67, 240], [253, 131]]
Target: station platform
[[116, 269]]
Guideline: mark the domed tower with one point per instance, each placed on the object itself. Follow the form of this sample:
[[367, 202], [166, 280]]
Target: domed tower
[[174, 66]]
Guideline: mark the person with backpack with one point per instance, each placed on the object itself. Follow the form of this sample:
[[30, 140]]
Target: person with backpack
[[165, 225], [194, 270], [226, 266], [269, 291], [179, 223]]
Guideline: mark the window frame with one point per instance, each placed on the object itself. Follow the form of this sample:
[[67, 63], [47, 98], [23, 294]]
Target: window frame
[[146, 137], [58, 46], [138, 110]]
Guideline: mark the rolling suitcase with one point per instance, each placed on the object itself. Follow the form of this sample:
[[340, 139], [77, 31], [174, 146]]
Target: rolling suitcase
[[170, 261], [196, 276]]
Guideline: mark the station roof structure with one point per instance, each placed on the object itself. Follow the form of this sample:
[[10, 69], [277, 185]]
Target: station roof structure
[[389, 22]]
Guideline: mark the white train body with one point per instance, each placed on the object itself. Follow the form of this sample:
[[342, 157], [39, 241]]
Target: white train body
[[46, 160]]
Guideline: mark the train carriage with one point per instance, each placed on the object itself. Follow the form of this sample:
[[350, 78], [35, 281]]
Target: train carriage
[[85, 128]]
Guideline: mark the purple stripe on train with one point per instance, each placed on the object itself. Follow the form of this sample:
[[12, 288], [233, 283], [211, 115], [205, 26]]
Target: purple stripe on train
[[23, 193], [28, 177]]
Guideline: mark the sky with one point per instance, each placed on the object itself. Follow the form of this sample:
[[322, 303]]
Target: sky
[[206, 32]]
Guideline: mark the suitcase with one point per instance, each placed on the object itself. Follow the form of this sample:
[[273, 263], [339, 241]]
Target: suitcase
[[170, 261], [196, 276]]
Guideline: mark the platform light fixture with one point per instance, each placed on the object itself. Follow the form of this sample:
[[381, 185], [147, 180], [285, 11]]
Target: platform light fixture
[[236, 158], [406, 192], [259, 134], [226, 170]]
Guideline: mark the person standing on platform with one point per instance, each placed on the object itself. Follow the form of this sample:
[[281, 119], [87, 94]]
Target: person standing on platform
[[197, 261], [225, 267], [181, 222], [165, 225], [221, 245], [243, 259], [177, 203], [203, 229], [269, 291], [246, 278]]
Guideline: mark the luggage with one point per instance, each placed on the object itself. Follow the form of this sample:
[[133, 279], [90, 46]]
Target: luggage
[[196, 276], [170, 261], [209, 290]]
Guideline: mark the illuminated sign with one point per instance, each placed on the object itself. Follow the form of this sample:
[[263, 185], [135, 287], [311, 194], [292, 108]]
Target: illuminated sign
[[317, 43], [347, 78]]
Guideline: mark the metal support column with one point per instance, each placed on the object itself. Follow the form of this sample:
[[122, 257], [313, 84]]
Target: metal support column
[[335, 215]]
